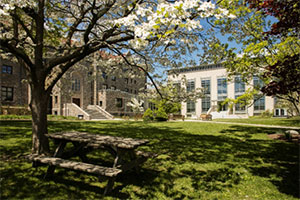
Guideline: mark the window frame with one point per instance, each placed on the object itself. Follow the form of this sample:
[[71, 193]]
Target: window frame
[[5, 93], [4, 69], [190, 106]]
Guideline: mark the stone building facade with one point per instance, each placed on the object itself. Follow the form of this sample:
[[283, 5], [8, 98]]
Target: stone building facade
[[14, 89], [84, 85], [92, 85]]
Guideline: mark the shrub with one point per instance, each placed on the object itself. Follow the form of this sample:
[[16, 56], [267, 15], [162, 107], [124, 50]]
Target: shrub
[[148, 115], [161, 115], [266, 113]]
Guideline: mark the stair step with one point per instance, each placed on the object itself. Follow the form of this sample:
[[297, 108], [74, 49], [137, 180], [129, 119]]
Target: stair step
[[95, 114]]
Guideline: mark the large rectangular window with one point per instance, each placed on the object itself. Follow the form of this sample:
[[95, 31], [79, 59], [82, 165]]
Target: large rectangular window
[[6, 69], [7, 93], [190, 86], [259, 103], [190, 106], [257, 83], [205, 104], [239, 85], [222, 86], [76, 84], [205, 84]]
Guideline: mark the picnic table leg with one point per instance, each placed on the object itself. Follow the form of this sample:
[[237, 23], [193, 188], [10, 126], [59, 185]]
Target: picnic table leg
[[109, 185], [58, 152], [118, 159]]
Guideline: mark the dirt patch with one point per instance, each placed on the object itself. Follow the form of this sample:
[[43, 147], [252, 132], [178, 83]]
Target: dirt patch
[[279, 136]]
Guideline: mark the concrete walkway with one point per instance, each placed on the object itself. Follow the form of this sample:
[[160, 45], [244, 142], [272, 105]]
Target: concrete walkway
[[245, 124]]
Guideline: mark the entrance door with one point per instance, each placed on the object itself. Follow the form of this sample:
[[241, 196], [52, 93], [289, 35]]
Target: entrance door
[[76, 101]]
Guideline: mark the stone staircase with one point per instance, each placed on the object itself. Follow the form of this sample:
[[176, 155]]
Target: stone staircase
[[94, 114]]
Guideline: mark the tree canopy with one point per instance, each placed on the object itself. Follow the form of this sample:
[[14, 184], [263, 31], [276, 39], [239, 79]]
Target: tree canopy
[[268, 34], [47, 37]]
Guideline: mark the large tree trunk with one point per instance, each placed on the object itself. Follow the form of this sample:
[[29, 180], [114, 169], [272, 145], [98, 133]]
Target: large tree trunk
[[38, 106]]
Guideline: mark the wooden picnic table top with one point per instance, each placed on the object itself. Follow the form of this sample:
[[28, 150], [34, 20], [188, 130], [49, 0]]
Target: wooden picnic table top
[[94, 139]]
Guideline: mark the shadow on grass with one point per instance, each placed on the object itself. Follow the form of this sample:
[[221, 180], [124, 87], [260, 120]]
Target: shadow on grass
[[182, 155]]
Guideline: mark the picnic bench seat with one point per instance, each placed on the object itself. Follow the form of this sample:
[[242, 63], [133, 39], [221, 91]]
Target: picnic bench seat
[[109, 172]]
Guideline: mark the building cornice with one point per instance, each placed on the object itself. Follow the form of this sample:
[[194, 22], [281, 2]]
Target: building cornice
[[197, 68]]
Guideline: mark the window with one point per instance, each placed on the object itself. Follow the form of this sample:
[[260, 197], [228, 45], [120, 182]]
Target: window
[[113, 78], [222, 86], [113, 87], [6, 69], [134, 81], [259, 103], [190, 106], [239, 107], [119, 102], [7, 93], [76, 84], [126, 80], [126, 90], [205, 84], [100, 103], [239, 85], [190, 86], [257, 83], [55, 99], [205, 104]]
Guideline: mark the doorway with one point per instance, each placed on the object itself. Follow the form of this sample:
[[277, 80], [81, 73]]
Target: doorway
[[76, 101]]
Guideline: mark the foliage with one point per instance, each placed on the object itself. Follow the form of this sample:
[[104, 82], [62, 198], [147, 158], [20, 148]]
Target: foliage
[[286, 11], [195, 161], [267, 114], [49, 37], [136, 105], [245, 100], [270, 46], [160, 114], [148, 115]]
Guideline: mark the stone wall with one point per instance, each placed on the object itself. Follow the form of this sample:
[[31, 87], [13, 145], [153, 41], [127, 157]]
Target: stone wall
[[16, 80]]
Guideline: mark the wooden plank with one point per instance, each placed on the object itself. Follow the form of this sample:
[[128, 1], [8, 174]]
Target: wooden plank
[[80, 166], [99, 140]]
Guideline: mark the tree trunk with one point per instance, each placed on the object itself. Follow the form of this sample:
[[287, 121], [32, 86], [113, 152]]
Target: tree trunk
[[38, 106]]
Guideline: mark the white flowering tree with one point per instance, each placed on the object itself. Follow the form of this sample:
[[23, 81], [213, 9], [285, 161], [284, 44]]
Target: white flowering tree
[[47, 37], [136, 105]]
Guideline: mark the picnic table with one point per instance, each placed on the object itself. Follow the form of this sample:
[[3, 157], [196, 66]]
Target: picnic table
[[122, 149]]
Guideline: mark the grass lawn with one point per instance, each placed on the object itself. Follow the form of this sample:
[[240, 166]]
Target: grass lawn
[[196, 161], [294, 122]]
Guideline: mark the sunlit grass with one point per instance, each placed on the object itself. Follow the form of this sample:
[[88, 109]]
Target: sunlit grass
[[195, 161], [294, 121]]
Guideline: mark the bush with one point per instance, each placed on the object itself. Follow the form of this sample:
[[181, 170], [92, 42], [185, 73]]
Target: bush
[[161, 115], [266, 114], [148, 115]]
